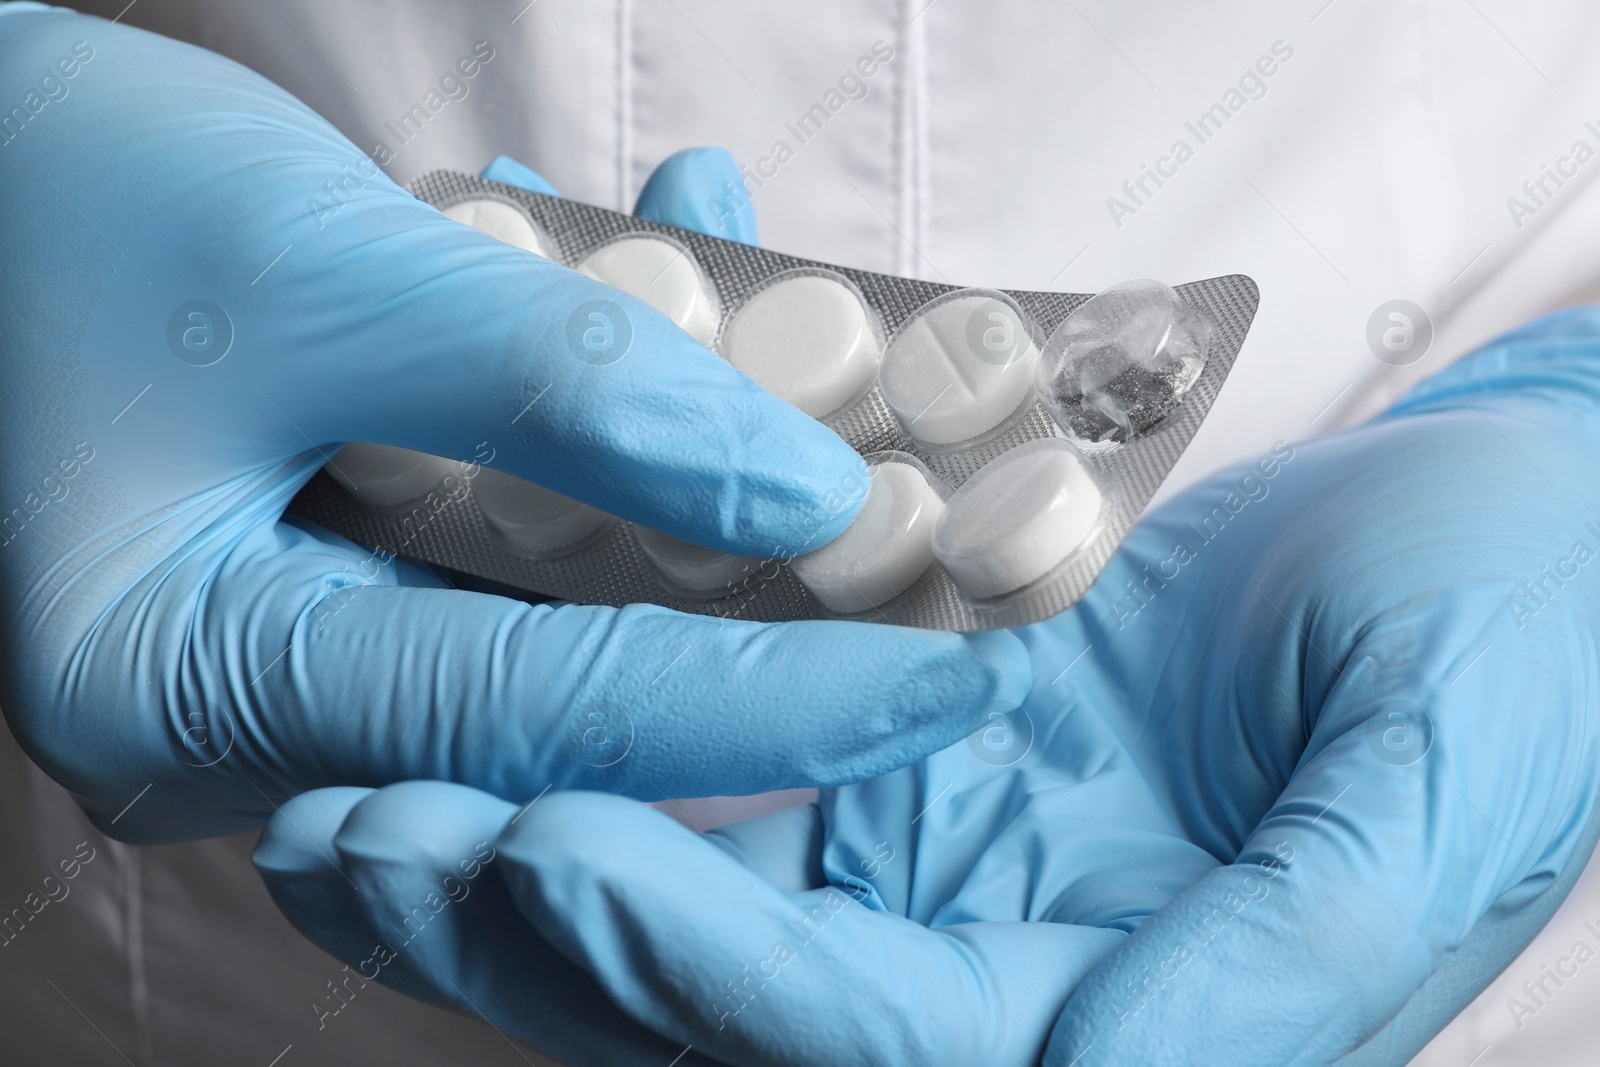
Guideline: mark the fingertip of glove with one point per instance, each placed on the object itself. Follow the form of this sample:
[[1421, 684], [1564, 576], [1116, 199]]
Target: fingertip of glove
[[1006, 659], [509, 171], [401, 822], [952, 683], [829, 482], [552, 851], [978, 676], [700, 189], [291, 838], [564, 825]]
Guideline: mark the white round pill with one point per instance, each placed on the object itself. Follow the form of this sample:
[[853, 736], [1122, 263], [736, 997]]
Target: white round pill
[[881, 553], [692, 569], [383, 476], [535, 521], [500, 220], [959, 369], [662, 275], [806, 340], [1017, 519]]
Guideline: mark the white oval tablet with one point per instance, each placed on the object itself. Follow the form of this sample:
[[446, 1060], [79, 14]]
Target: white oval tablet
[[500, 220], [536, 521], [959, 369], [383, 476], [1017, 519], [662, 275], [881, 553], [806, 340], [690, 568]]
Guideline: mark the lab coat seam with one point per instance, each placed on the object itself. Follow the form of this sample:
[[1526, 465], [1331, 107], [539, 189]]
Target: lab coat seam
[[919, 130], [624, 102], [1429, 85], [897, 148], [133, 918]]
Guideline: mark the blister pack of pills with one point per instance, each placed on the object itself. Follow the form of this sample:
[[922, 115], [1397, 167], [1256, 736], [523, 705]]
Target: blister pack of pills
[[1011, 438]]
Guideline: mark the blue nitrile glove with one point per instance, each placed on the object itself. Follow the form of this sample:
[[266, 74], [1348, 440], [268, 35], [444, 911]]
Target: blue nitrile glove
[[1322, 740], [206, 289]]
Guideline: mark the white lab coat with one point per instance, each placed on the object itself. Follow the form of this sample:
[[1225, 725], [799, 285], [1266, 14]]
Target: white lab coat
[[1343, 152]]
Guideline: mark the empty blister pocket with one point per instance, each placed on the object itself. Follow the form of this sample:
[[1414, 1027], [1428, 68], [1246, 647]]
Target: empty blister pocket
[[1012, 438]]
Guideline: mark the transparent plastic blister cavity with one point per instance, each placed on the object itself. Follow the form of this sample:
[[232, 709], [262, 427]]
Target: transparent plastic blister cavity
[[960, 368], [808, 337], [1017, 520], [691, 570], [887, 549], [1122, 362], [533, 521], [1011, 438], [662, 273], [384, 476], [502, 219]]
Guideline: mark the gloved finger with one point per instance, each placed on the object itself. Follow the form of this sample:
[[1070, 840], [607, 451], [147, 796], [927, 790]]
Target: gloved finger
[[1409, 821], [303, 874], [318, 674], [672, 196], [1407, 716], [653, 428], [700, 189], [1546, 366], [501, 221], [508, 171], [512, 697], [422, 859], [782, 848], [695, 946], [381, 320]]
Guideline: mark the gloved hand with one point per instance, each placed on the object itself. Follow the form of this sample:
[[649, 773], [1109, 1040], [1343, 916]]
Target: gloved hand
[[1316, 757], [207, 289]]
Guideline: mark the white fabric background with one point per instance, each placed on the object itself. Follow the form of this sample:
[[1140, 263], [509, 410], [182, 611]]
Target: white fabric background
[[1376, 166]]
